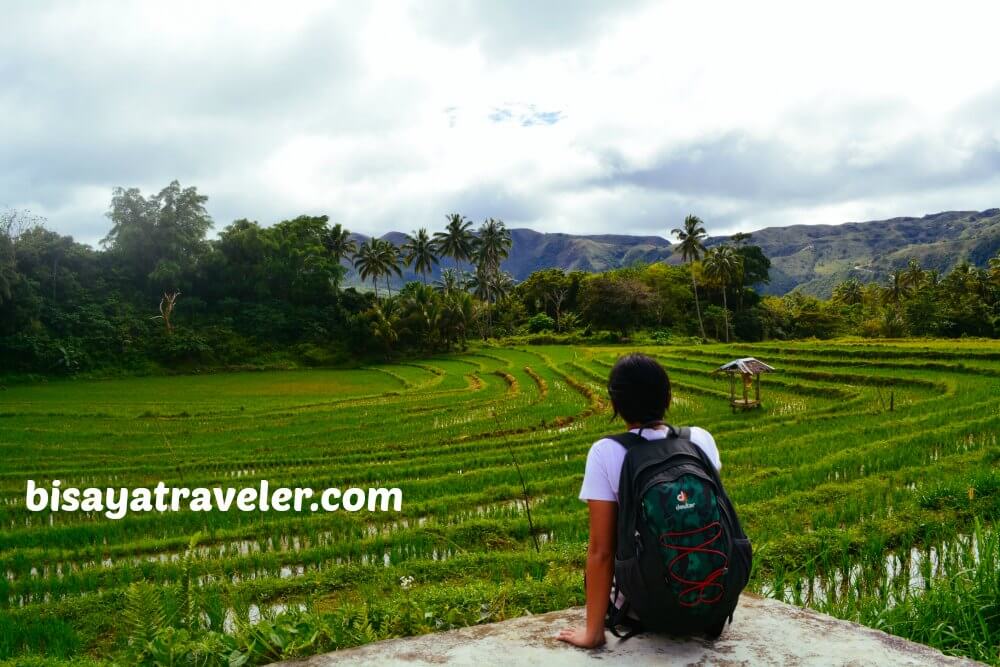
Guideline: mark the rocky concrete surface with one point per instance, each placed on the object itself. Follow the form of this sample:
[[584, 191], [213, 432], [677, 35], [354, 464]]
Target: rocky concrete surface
[[765, 632]]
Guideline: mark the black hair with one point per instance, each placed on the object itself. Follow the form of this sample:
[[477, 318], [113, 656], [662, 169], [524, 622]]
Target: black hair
[[639, 389]]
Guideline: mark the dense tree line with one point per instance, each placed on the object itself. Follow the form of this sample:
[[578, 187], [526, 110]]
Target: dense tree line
[[161, 293]]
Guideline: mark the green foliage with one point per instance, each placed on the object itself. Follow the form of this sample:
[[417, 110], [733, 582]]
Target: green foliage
[[919, 302], [541, 322], [614, 302], [143, 615], [959, 610], [826, 477], [158, 240], [51, 637], [259, 295]]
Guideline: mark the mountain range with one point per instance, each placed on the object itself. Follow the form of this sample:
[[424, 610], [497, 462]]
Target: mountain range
[[811, 258]]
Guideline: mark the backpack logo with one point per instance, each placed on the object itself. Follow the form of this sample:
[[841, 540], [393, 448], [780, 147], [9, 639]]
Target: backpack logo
[[683, 504]]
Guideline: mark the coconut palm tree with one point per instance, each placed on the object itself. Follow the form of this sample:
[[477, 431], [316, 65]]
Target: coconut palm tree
[[692, 248], [479, 283], [740, 238], [723, 266], [385, 324], [338, 243], [450, 281], [459, 312], [970, 278], [993, 270], [933, 278], [419, 252], [389, 259], [500, 285], [848, 292], [913, 276], [493, 245], [896, 289], [456, 241], [368, 263], [422, 310]]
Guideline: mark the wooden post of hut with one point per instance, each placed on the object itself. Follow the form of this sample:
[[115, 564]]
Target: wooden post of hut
[[749, 370]]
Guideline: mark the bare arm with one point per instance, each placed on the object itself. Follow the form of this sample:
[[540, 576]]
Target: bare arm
[[600, 568]]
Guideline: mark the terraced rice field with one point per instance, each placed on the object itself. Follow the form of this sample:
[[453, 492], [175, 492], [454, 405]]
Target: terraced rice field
[[840, 495]]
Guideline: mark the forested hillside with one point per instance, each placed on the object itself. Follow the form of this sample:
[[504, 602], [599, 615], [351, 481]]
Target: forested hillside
[[814, 258]]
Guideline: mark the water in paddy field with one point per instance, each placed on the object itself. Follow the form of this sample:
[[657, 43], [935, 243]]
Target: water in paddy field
[[289, 543], [255, 613], [898, 577]]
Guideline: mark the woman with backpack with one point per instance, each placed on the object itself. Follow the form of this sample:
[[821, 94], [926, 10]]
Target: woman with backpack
[[673, 503]]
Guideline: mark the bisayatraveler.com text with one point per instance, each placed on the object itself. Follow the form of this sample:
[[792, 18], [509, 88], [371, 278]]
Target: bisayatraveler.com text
[[115, 503]]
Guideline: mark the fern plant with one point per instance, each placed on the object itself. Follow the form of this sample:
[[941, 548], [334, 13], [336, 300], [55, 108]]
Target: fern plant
[[187, 603], [144, 617]]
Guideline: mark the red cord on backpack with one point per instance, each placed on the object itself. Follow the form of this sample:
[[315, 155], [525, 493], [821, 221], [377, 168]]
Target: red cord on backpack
[[698, 587]]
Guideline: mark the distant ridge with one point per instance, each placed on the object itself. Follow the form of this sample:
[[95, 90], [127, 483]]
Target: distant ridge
[[812, 258]]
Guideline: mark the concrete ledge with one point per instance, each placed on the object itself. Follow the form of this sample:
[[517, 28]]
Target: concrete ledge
[[764, 632]]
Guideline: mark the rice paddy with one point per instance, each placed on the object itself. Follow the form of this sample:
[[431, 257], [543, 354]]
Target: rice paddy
[[868, 478]]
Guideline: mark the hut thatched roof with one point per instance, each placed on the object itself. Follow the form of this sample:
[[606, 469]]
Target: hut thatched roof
[[747, 365]]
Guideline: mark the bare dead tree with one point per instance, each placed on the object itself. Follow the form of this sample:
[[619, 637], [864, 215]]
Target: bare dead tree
[[556, 297], [15, 222], [167, 309]]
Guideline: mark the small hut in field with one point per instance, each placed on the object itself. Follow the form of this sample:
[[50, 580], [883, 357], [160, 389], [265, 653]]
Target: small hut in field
[[749, 370]]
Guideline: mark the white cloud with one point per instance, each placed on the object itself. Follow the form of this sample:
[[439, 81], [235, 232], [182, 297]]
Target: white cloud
[[586, 117]]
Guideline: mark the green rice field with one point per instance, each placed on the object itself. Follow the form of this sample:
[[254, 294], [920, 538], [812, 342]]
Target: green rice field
[[868, 483]]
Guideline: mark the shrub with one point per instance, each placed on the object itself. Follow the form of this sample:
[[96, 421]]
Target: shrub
[[541, 322]]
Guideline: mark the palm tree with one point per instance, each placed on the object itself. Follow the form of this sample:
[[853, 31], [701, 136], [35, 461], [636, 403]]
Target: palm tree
[[459, 311], [690, 237], [450, 281], [971, 279], [723, 266], [913, 276], [933, 278], [500, 285], [338, 243], [848, 292], [422, 312], [493, 245], [456, 241], [993, 270], [418, 251], [490, 249], [367, 262], [479, 283], [739, 238], [897, 288], [385, 323], [388, 257]]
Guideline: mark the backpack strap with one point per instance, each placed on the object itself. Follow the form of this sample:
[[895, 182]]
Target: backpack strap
[[617, 617], [628, 439], [633, 627]]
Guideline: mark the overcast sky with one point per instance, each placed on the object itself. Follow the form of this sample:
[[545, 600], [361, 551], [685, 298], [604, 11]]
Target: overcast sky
[[583, 117]]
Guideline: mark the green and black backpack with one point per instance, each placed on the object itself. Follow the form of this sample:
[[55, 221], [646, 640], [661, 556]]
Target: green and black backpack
[[682, 557]]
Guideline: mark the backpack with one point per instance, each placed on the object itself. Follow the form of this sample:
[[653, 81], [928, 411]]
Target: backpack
[[682, 557]]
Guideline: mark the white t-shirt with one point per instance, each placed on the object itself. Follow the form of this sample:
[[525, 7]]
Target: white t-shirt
[[604, 462]]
